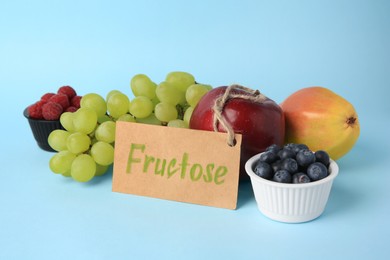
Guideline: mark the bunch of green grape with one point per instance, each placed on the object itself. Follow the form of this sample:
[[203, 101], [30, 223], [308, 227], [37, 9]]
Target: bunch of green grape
[[86, 146], [170, 102]]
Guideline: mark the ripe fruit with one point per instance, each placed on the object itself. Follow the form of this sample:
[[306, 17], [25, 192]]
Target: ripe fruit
[[282, 176], [317, 171], [47, 96], [322, 120], [300, 177], [35, 110], [61, 99], [300, 168], [51, 111], [259, 119], [67, 90]]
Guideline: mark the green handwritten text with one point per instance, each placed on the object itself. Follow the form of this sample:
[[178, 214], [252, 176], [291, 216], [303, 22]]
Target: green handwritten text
[[209, 173]]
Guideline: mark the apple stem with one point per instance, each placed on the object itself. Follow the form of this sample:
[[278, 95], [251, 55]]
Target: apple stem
[[253, 95]]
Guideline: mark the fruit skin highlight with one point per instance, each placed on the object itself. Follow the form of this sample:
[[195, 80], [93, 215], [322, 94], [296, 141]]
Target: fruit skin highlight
[[321, 119]]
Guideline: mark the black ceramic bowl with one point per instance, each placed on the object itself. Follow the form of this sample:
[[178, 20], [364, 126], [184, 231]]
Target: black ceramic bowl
[[41, 130]]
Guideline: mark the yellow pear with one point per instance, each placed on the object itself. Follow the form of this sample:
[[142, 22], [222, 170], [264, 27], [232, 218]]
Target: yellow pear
[[321, 119]]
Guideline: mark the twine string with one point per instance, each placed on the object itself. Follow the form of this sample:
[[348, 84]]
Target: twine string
[[218, 119]]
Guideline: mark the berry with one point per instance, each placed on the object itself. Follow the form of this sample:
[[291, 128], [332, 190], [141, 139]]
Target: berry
[[317, 171], [290, 165], [51, 111], [67, 90], [35, 110], [277, 165], [300, 147], [263, 170], [268, 157], [61, 99], [300, 177], [305, 157], [47, 96], [273, 148], [286, 153], [75, 101], [71, 109], [290, 146], [322, 157], [282, 176]]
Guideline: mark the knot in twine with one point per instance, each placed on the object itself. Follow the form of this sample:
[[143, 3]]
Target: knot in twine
[[252, 95]]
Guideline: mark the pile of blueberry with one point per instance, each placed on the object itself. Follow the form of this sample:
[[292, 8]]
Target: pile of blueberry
[[292, 163]]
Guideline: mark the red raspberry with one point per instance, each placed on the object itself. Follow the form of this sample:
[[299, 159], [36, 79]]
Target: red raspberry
[[71, 109], [35, 110], [67, 90], [76, 101], [47, 96], [61, 99], [51, 111]]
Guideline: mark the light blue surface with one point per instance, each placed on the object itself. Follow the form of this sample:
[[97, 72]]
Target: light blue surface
[[275, 46]]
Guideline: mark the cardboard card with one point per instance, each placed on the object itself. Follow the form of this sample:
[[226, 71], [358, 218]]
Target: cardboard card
[[176, 164]]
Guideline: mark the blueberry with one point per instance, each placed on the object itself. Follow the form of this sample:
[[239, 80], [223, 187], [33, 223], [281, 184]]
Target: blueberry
[[263, 170], [317, 171], [282, 176], [300, 177], [290, 165], [290, 146], [305, 157], [322, 157], [286, 153], [268, 157], [277, 165], [273, 148], [300, 147]]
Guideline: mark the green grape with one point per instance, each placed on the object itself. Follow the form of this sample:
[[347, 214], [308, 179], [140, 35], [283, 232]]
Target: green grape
[[117, 105], [150, 120], [165, 112], [102, 153], [141, 107], [177, 123], [141, 85], [106, 132], [194, 93], [66, 121], [155, 100], [126, 118], [83, 168], [78, 143], [167, 93], [67, 174], [209, 87], [101, 169], [188, 114], [180, 80], [84, 120], [57, 139], [112, 92], [61, 162], [94, 102], [104, 118]]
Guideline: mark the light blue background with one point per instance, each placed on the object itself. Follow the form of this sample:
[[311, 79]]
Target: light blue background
[[275, 46]]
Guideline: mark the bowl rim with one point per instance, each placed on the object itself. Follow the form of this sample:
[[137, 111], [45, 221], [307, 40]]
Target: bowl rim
[[333, 168]]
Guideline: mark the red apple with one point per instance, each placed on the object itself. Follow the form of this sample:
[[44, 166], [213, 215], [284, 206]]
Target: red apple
[[259, 119]]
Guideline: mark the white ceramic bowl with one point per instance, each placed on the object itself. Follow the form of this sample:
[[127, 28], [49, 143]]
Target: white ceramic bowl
[[288, 202]]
